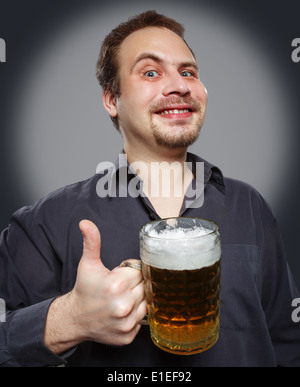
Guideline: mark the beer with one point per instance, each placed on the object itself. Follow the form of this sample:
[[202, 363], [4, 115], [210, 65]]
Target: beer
[[183, 307], [181, 268]]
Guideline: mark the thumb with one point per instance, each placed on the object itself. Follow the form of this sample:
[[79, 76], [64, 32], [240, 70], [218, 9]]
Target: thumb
[[90, 268], [91, 242]]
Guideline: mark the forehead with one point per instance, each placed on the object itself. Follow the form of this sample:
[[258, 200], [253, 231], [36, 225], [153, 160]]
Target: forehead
[[156, 40]]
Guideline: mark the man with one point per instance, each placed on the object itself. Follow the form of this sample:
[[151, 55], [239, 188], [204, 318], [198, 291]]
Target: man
[[81, 307]]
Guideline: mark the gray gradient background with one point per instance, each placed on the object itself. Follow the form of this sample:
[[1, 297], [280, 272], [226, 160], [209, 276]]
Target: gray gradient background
[[54, 130]]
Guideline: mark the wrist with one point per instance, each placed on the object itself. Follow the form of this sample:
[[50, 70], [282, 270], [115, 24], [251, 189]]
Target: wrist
[[62, 330]]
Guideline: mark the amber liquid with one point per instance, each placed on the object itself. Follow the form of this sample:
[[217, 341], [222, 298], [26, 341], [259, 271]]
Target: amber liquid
[[183, 308]]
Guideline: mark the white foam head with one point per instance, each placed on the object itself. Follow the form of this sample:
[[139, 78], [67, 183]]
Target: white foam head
[[175, 247]]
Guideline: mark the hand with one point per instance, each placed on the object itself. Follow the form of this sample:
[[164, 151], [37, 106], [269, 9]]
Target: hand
[[104, 306], [111, 303]]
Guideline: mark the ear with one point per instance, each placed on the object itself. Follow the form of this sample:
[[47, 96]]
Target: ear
[[110, 103]]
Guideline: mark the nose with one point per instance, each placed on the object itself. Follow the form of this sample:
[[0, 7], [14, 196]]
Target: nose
[[175, 84]]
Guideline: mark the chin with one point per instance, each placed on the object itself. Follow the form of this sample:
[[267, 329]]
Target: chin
[[176, 143], [172, 140]]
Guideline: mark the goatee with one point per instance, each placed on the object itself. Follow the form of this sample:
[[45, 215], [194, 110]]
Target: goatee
[[184, 133]]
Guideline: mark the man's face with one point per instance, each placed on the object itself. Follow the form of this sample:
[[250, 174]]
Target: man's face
[[162, 100]]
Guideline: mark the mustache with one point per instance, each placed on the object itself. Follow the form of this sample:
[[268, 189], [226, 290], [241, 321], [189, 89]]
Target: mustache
[[173, 101]]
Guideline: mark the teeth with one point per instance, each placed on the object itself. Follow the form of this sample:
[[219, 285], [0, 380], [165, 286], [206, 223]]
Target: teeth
[[175, 111]]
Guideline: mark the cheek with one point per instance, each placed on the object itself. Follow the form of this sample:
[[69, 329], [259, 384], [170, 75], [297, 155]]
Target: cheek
[[137, 102], [203, 93], [201, 97], [204, 97], [199, 89], [129, 111]]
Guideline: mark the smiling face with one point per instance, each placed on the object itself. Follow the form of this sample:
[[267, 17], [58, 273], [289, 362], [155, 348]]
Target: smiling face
[[162, 101]]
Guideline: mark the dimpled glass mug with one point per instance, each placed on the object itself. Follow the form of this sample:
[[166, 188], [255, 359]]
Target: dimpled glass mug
[[181, 269]]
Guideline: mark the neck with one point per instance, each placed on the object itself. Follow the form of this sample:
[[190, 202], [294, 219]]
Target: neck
[[166, 177], [160, 155]]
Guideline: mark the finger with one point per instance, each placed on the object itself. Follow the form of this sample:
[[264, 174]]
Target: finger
[[141, 313], [138, 294], [133, 263], [125, 323], [91, 242], [129, 277], [140, 307], [128, 303]]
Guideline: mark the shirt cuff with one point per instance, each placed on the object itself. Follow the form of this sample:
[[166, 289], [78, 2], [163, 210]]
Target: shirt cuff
[[26, 338]]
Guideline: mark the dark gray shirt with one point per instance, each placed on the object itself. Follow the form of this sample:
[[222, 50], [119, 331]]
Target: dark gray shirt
[[41, 248]]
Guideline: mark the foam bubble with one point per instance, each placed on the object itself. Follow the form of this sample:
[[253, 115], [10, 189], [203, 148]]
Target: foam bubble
[[177, 233], [180, 248]]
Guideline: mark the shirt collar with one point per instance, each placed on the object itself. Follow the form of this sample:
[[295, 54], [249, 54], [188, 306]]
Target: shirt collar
[[212, 174]]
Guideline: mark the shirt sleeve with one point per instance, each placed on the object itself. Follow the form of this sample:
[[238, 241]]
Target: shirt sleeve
[[29, 272], [21, 338], [278, 292]]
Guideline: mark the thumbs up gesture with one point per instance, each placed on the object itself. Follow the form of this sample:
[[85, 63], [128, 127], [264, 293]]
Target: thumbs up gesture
[[104, 306]]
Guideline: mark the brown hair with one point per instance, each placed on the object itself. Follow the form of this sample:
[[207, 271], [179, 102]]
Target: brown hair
[[107, 64]]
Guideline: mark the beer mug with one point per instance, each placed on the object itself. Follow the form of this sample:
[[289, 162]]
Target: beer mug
[[181, 269]]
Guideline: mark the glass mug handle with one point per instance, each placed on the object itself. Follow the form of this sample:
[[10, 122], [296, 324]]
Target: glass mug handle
[[137, 265]]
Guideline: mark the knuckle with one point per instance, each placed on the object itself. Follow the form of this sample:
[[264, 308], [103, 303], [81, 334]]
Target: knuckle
[[122, 310], [115, 287], [128, 325]]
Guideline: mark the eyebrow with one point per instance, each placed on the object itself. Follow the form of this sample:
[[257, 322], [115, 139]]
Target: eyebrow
[[159, 60]]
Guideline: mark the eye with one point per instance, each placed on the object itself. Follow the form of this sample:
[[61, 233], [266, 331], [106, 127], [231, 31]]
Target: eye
[[187, 73], [151, 74]]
